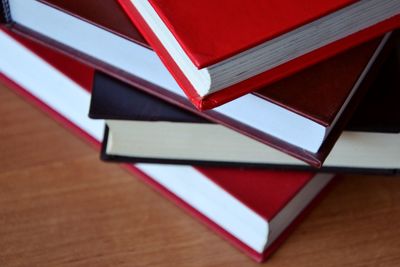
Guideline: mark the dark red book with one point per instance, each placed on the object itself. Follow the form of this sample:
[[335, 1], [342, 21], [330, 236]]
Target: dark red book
[[220, 50], [292, 120], [253, 209]]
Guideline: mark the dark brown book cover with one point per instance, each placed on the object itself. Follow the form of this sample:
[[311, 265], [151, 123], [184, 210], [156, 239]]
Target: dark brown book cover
[[334, 78], [105, 13], [277, 95]]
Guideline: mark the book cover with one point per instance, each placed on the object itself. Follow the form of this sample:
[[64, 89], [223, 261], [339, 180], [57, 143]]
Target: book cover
[[213, 40]]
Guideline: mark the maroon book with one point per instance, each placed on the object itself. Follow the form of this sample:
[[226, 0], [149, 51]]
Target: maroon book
[[302, 115]]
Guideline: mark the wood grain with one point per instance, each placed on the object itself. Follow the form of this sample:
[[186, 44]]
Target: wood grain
[[61, 206]]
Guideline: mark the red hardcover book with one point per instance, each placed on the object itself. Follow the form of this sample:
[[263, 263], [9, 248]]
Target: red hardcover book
[[220, 50], [253, 209], [77, 28]]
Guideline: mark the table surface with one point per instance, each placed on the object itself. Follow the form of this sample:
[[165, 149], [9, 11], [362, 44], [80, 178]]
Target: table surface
[[61, 206]]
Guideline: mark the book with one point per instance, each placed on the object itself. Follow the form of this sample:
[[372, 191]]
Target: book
[[61, 24], [253, 209], [143, 128], [220, 50]]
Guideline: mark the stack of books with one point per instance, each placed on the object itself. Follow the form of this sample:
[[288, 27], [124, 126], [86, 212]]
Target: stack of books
[[240, 112]]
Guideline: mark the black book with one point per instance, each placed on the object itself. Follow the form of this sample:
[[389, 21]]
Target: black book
[[142, 128]]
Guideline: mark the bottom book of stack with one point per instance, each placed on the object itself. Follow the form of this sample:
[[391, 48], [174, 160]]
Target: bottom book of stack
[[255, 209]]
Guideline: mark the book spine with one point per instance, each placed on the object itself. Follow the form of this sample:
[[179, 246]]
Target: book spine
[[5, 13]]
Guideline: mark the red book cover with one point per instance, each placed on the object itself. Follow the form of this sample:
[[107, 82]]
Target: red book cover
[[266, 193], [221, 29], [210, 31]]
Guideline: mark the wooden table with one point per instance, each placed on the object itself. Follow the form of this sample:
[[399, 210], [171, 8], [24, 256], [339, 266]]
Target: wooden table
[[61, 206]]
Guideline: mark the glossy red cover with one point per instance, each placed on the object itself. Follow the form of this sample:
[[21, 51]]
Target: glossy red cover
[[248, 186], [210, 31], [256, 82]]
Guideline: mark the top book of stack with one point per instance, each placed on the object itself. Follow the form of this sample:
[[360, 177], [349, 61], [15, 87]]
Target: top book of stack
[[220, 50]]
